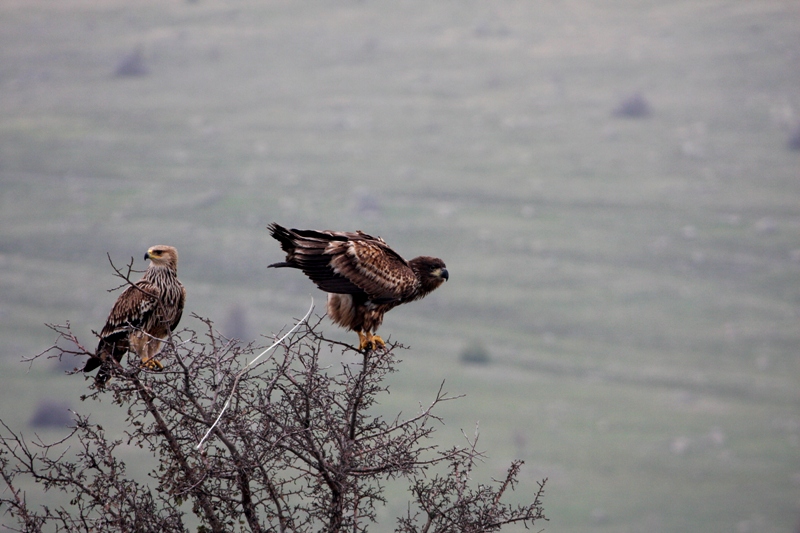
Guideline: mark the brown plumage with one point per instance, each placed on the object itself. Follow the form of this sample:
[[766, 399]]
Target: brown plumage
[[363, 277], [143, 315]]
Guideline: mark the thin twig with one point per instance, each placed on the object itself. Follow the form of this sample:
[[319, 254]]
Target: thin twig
[[247, 367]]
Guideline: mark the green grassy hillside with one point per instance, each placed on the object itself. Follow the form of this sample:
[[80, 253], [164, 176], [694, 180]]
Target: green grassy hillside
[[635, 280]]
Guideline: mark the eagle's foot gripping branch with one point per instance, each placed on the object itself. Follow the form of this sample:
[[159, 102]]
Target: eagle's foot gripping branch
[[152, 364], [368, 342]]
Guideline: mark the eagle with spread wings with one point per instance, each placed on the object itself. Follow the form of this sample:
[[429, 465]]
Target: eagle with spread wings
[[363, 277], [143, 316]]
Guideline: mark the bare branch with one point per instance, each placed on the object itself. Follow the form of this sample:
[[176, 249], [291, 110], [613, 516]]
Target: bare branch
[[246, 368], [297, 446]]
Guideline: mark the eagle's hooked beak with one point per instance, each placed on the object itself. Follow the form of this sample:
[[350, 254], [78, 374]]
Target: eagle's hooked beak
[[444, 274], [147, 255]]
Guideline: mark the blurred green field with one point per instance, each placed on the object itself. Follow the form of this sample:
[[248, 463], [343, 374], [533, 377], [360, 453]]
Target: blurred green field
[[635, 280]]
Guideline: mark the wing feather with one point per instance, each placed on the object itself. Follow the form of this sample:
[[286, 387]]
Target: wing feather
[[133, 309], [347, 263], [374, 268], [178, 307]]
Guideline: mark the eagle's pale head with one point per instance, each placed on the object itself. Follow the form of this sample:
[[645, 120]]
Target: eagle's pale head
[[163, 255]]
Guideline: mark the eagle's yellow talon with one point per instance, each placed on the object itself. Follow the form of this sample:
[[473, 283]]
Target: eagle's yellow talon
[[362, 341], [153, 364], [368, 342], [378, 342]]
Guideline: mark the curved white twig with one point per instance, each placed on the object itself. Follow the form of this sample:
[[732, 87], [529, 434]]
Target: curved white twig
[[245, 369]]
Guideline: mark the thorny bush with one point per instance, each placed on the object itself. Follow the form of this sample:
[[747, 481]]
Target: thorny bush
[[298, 449]]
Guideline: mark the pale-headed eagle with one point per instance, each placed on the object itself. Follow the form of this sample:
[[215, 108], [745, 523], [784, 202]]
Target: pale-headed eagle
[[143, 315], [363, 277]]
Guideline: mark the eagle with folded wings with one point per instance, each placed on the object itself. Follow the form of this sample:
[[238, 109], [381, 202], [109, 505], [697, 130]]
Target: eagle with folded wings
[[142, 317]]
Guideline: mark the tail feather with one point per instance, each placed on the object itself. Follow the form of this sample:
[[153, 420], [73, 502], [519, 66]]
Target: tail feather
[[108, 350], [92, 363], [103, 375]]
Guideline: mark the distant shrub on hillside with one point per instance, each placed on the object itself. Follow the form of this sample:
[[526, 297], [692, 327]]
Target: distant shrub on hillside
[[51, 413], [475, 354], [634, 105], [794, 138], [132, 64]]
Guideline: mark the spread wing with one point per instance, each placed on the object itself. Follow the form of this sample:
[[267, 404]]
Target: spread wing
[[347, 263], [374, 268]]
